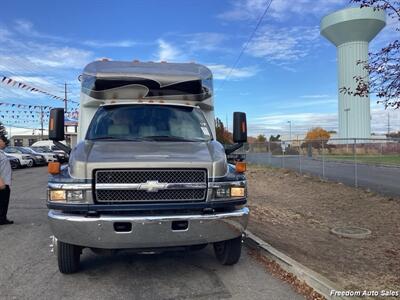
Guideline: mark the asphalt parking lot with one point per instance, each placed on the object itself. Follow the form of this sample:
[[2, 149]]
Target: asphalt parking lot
[[28, 270]]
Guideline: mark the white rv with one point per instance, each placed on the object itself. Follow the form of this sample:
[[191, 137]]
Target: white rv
[[147, 172]]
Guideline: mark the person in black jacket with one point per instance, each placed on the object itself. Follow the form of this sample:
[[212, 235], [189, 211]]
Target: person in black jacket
[[5, 182]]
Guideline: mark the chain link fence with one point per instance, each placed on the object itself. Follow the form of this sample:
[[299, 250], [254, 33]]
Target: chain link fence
[[370, 163]]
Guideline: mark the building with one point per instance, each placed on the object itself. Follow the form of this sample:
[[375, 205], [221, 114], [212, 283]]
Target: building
[[26, 140]]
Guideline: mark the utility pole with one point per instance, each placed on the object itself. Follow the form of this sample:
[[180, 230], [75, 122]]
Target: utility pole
[[65, 98], [41, 122], [290, 131], [347, 128], [388, 125]]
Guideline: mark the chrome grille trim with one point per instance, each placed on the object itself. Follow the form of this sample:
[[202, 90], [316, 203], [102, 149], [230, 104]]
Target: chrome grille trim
[[138, 186]]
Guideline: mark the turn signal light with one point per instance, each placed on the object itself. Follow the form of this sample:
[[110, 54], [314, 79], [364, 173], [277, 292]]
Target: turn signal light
[[54, 168], [240, 167]]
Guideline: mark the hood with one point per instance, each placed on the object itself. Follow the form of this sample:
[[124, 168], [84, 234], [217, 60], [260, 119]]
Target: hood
[[90, 155]]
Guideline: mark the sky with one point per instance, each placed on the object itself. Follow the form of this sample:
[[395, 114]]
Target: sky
[[286, 73]]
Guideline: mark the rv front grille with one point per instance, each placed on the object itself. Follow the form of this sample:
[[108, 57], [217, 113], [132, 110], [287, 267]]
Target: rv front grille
[[150, 185]]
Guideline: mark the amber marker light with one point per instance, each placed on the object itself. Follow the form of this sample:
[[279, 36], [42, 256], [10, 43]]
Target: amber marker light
[[240, 167], [57, 195], [54, 168]]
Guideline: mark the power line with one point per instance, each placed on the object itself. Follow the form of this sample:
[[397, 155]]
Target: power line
[[246, 44]]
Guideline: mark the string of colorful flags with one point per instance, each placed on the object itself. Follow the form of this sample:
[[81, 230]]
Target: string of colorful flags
[[29, 111], [14, 83], [24, 105]]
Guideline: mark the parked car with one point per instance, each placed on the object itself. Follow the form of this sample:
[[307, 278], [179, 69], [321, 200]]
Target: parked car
[[24, 159], [47, 153], [50, 147], [15, 164], [38, 159]]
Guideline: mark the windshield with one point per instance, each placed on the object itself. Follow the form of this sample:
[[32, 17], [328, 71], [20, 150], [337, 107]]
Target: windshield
[[26, 150], [41, 149], [11, 150], [149, 122]]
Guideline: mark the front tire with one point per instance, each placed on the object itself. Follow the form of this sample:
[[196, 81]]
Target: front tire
[[228, 252], [30, 163], [68, 257]]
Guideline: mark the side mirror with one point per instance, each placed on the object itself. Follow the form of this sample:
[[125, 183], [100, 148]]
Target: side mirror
[[56, 125], [239, 127]]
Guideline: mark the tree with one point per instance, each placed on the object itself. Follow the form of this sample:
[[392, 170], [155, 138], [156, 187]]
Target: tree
[[383, 66], [317, 137], [261, 138], [276, 138], [223, 135], [317, 133], [393, 135]]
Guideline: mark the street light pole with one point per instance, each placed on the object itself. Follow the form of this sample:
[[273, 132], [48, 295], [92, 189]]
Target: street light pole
[[347, 129], [290, 130]]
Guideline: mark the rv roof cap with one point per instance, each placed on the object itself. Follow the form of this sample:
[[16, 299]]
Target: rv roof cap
[[120, 79]]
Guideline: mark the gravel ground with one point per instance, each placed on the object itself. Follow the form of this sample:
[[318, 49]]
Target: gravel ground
[[295, 213]]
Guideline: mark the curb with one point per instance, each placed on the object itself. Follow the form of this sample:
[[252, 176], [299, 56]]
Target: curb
[[316, 281]]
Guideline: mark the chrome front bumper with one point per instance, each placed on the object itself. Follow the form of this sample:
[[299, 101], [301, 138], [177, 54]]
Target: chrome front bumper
[[147, 231]]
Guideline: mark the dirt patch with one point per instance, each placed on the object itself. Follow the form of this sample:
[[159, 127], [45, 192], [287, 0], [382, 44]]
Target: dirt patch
[[295, 213]]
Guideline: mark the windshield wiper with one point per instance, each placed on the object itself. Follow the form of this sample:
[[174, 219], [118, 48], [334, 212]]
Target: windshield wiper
[[169, 138]]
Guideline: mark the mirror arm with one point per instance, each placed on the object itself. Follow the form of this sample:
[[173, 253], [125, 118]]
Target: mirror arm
[[62, 147], [233, 148]]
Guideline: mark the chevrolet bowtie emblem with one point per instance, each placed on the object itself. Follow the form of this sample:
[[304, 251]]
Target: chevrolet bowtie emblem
[[152, 186]]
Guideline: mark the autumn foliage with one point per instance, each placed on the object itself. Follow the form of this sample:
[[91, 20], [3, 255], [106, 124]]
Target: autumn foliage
[[317, 133], [317, 137], [223, 134]]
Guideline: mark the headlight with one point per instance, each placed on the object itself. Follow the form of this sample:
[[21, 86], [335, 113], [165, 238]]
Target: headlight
[[75, 195], [229, 191], [67, 196], [38, 156], [223, 192], [26, 157]]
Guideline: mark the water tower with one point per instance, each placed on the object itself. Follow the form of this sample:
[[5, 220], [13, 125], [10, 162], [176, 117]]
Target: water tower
[[350, 30]]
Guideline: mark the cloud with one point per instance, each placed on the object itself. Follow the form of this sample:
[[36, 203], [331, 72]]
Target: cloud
[[277, 123], [380, 119], [306, 104], [34, 80], [279, 9], [221, 71], [209, 41], [65, 57], [168, 52], [316, 96], [4, 34], [26, 28], [284, 44], [110, 44], [387, 35]]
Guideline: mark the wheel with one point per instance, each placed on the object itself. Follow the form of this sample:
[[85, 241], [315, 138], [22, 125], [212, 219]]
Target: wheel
[[228, 252], [68, 257], [30, 163]]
